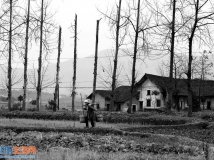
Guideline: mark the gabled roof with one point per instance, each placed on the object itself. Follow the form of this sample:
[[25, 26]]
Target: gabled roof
[[206, 86], [162, 82], [103, 93], [122, 94]]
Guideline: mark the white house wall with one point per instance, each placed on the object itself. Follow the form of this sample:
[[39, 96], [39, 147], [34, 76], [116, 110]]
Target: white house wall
[[124, 106], [148, 85], [100, 100]]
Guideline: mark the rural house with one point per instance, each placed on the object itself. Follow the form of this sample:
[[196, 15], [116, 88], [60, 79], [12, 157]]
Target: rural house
[[154, 92], [102, 99], [121, 99], [151, 92]]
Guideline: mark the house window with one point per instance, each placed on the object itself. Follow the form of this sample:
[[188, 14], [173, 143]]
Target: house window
[[158, 103], [148, 102], [148, 92]]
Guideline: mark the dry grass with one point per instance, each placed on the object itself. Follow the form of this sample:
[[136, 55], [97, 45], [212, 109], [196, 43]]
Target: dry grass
[[59, 124]]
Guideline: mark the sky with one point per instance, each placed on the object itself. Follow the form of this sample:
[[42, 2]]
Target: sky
[[87, 15]]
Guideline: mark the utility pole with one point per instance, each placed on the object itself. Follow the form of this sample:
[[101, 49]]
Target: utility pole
[[134, 58], [56, 94], [116, 57], [38, 98], [75, 61], [95, 62], [26, 58], [9, 85]]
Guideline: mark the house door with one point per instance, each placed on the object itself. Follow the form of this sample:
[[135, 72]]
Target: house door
[[141, 105], [209, 105], [134, 107], [108, 106], [182, 105]]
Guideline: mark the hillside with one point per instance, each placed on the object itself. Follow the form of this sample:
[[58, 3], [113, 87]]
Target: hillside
[[85, 67]]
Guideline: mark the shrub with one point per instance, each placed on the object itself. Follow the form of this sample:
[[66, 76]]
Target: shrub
[[142, 118], [31, 109], [16, 106]]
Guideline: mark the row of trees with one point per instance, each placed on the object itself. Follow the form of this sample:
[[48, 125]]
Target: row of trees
[[171, 27], [23, 25], [138, 28]]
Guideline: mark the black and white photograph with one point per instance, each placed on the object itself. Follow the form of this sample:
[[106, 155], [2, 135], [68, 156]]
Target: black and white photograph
[[107, 79]]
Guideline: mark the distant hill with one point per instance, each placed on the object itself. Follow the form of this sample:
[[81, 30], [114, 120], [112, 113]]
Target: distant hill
[[85, 67]]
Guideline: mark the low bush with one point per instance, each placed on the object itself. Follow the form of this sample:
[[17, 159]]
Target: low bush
[[16, 106], [148, 120], [142, 118], [32, 109], [206, 115]]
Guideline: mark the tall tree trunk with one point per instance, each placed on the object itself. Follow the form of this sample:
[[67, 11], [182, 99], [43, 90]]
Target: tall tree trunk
[[26, 59], [56, 94], [75, 61], [189, 74], [9, 85], [189, 79], [95, 62], [38, 98], [116, 57], [170, 99], [134, 58]]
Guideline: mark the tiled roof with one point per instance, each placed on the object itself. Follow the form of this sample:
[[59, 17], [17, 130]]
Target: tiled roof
[[206, 86], [103, 93], [122, 94]]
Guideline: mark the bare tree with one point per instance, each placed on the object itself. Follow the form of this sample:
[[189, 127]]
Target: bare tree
[[196, 29], [46, 80], [75, 59], [105, 71], [118, 26], [135, 54], [95, 62], [40, 58], [57, 70], [116, 55], [26, 57], [11, 23], [44, 32], [15, 78]]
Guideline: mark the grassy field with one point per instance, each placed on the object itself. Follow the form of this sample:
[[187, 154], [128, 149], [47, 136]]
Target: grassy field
[[79, 147], [59, 124]]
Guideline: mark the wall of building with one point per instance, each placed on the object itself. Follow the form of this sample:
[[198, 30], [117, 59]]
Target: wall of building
[[184, 105], [183, 102], [101, 101], [125, 105], [208, 99], [148, 85]]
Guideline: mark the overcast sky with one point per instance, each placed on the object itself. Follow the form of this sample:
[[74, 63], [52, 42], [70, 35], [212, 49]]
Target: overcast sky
[[87, 15]]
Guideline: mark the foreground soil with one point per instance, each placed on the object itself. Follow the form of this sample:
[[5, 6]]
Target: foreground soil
[[204, 135], [107, 143]]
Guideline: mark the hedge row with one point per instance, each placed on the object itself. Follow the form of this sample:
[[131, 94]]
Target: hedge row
[[206, 115], [149, 119]]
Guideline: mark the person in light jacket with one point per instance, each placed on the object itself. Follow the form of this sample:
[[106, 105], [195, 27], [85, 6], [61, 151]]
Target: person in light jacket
[[90, 114]]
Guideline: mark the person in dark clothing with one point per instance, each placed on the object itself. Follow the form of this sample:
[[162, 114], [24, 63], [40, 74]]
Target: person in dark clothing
[[90, 115]]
